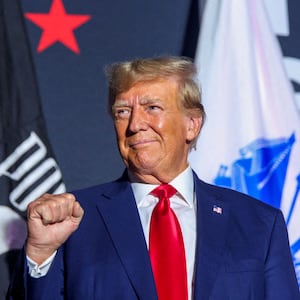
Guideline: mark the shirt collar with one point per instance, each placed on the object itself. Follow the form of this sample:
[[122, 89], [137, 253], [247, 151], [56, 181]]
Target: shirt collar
[[183, 183]]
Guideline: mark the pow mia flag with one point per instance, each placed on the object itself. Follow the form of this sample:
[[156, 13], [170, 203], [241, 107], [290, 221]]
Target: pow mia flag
[[27, 166]]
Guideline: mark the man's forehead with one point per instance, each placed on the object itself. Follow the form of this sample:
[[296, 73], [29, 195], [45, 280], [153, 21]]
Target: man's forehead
[[149, 88]]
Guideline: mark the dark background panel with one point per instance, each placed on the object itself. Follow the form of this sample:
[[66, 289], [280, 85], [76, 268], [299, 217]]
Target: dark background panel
[[73, 86]]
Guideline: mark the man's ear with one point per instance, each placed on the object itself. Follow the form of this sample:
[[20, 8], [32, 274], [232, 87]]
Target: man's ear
[[194, 124]]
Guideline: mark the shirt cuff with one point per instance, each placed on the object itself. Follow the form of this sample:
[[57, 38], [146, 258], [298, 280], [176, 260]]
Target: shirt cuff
[[37, 271]]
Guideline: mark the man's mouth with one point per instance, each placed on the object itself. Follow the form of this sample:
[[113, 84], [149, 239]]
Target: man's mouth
[[140, 143]]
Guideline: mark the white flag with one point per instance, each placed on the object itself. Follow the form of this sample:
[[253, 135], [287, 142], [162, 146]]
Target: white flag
[[251, 139]]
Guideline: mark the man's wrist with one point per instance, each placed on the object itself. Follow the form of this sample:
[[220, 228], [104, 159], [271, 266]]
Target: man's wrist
[[38, 254]]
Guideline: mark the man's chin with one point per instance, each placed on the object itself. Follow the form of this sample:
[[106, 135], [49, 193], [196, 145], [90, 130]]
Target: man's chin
[[145, 166]]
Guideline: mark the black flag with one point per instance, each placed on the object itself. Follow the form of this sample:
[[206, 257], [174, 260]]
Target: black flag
[[27, 166]]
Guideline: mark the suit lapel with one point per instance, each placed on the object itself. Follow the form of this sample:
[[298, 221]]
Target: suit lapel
[[212, 226], [121, 217]]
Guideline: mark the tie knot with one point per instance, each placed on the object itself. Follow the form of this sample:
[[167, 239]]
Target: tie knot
[[164, 191]]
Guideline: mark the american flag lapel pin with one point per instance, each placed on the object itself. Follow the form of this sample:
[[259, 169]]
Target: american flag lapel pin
[[217, 209]]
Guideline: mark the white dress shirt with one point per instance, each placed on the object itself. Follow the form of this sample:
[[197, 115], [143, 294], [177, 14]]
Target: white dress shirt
[[184, 205]]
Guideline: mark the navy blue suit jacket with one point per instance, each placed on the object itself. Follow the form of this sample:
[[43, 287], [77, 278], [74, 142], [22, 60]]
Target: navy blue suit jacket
[[242, 253]]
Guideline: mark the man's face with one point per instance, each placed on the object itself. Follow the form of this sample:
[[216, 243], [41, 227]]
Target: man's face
[[152, 131]]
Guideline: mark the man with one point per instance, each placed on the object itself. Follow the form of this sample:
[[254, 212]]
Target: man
[[233, 247]]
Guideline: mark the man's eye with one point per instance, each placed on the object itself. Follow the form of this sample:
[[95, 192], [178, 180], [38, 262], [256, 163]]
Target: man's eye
[[153, 108], [122, 113]]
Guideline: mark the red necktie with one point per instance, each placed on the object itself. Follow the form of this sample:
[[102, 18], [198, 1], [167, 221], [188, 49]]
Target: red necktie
[[166, 248]]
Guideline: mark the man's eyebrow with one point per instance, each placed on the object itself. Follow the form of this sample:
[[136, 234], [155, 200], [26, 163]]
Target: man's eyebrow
[[120, 103], [142, 101], [147, 100]]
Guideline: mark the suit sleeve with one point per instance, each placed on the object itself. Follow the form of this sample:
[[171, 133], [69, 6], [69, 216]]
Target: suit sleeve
[[49, 287], [280, 278]]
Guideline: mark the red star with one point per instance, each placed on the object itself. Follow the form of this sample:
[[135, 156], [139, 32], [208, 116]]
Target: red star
[[57, 26]]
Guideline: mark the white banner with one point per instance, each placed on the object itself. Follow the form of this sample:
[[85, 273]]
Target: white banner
[[251, 139]]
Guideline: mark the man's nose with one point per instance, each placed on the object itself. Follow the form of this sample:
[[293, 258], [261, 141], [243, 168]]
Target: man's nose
[[138, 120]]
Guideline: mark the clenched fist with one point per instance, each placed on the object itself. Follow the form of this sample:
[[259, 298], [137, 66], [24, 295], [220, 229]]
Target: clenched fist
[[51, 220]]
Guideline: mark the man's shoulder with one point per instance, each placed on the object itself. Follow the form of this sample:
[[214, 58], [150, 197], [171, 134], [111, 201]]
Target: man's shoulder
[[238, 201], [102, 190]]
